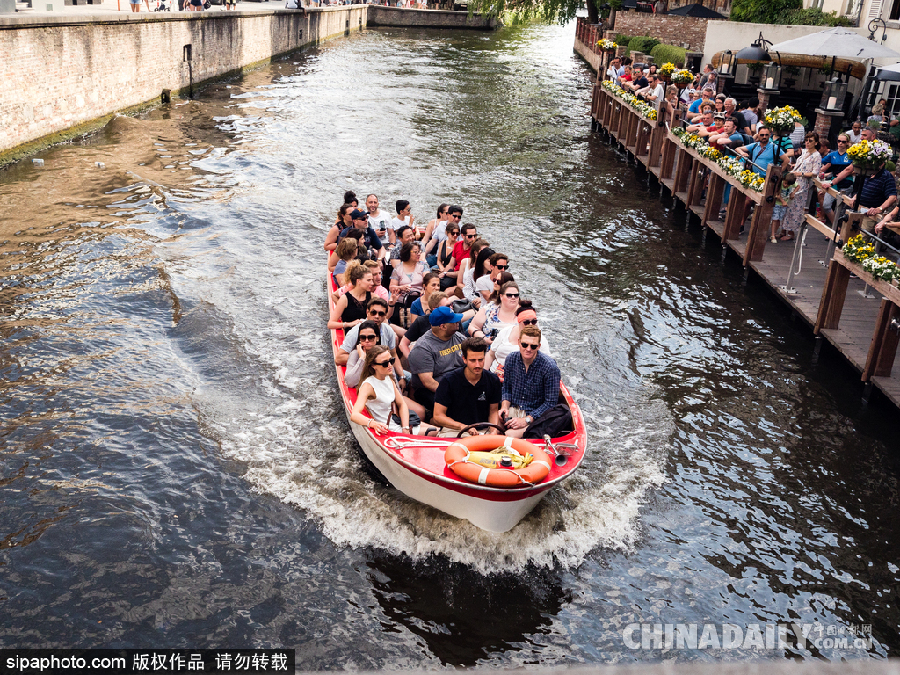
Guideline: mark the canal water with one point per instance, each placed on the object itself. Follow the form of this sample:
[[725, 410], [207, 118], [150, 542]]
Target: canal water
[[176, 467]]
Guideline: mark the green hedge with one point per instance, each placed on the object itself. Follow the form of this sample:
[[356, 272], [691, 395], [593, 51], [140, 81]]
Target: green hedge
[[642, 44], [669, 54], [622, 39]]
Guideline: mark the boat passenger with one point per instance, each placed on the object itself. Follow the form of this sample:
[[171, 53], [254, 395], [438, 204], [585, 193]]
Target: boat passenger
[[343, 254], [431, 283], [409, 275], [467, 271], [468, 395], [467, 237], [500, 312], [445, 263], [497, 263], [370, 334], [404, 235], [343, 222], [370, 237], [377, 393], [404, 219], [530, 384], [436, 354], [376, 313], [422, 325], [507, 340], [481, 271], [378, 291], [350, 309], [435, 234], [379, 220], [350, 198]]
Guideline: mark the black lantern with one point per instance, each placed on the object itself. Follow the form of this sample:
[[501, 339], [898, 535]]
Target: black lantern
[[771, 80], [834, 95], [757, 51], [726, 65]]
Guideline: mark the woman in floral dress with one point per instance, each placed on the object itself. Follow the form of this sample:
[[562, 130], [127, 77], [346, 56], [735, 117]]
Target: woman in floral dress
[[805, 169]]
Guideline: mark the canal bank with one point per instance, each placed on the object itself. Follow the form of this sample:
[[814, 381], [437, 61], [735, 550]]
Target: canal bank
[[812, 275], [66, 74]]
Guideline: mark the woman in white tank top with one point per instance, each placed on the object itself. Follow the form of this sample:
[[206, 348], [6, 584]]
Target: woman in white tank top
[[377, 393]]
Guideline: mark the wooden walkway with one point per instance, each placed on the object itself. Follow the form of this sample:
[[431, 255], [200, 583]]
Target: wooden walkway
[[829, 292]]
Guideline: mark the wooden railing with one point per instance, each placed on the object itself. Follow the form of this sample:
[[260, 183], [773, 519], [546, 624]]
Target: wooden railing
[[588, 34], [686, 174]]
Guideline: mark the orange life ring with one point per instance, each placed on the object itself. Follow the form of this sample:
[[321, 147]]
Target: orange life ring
[[456, 454]]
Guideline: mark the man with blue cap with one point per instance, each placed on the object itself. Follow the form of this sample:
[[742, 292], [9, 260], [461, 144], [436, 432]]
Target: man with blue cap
[[435, 354]]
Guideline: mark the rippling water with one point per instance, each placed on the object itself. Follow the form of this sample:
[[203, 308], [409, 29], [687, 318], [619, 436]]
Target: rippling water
[[176, 467]]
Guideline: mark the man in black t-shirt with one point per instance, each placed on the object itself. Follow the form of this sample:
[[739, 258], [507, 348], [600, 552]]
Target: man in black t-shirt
[[470, 394]]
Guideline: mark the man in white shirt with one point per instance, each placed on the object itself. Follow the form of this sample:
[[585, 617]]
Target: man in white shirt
[[654, 92], [615, 69], [379, 220]]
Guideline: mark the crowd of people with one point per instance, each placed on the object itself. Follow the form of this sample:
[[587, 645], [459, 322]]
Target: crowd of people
[[739, 129], [436, 335]]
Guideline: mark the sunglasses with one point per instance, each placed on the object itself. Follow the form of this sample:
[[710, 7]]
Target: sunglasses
[[511, 295], [530, 322], [502, 267], [384, 364], [366, 338], [471, 236], [525, 345], [456, 215], [374, 313], [453, 232]]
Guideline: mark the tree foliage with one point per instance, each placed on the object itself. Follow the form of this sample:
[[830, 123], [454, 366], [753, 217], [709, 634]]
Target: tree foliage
[[762, 11], [544, 11]]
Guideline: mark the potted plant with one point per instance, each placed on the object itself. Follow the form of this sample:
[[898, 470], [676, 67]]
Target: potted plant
[[682, 78], [869, 156], [665, 72]]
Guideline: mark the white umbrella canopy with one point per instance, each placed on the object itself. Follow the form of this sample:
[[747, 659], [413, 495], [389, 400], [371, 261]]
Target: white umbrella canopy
[[836, 42], [891, 72]]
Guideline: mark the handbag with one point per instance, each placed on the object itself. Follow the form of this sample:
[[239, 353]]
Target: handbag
[[414, 420]]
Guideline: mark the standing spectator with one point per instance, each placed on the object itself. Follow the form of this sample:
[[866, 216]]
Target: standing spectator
[[748, 110], [855, 133], [782, 199], [834, 163], [806, 168]]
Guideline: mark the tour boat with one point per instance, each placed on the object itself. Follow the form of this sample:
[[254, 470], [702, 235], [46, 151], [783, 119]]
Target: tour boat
[[416, 465]]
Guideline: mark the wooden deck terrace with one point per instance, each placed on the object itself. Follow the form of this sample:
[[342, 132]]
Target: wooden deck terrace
[[841, 302]]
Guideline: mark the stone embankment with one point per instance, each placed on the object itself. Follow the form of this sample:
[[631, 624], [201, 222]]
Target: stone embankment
[[66, 74]]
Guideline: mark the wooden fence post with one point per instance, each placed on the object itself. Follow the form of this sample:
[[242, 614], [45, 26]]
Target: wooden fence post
[[714, 193], [760, 226], [737, 203], [833, 296], [883, 348], [683, 172]]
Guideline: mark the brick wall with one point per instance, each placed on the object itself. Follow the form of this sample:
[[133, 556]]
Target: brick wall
[[59, 72], [673, 30], [380, 15]]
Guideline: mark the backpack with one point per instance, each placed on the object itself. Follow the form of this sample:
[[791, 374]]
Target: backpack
[[554, 423]]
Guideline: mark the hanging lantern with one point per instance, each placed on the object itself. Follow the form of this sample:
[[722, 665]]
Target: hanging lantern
[[833, 96], [771, 80], [726, 66]]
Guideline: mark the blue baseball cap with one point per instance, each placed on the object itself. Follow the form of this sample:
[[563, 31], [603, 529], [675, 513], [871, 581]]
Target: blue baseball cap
[[444, 315]]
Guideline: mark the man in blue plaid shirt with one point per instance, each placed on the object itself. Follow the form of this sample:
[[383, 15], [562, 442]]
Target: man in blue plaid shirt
[[530, 383]]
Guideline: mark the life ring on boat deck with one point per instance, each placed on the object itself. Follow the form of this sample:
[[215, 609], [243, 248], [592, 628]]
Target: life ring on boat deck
[[457, 455]]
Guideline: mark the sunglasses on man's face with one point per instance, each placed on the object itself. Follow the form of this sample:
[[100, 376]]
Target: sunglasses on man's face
[[525, 345], [373, 312], [471, 236], [502, 267]]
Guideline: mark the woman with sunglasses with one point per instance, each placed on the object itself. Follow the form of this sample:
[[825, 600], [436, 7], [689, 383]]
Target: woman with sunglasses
[[507, 340], [378, 393], [342, 223], [445, 263], [495, 265], [481, 271], [499, 312], [806, 169]]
